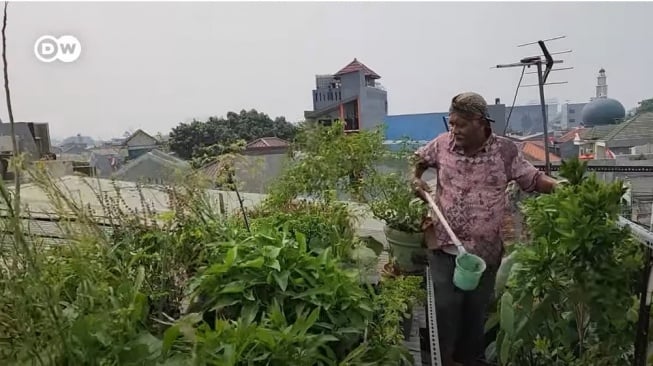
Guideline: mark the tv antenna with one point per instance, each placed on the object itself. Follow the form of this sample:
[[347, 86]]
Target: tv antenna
[[544, 64]]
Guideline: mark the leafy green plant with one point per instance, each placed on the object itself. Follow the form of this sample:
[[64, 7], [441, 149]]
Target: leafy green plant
[[568, 290], [271, 267], [396, 300], [327, 160], [392, 200]]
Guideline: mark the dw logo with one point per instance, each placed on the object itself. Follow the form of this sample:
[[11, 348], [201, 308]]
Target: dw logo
[[65, 48]]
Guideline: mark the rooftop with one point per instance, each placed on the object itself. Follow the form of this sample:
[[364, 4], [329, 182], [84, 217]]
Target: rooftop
[[267, 142], [534, 151], [357, 66]]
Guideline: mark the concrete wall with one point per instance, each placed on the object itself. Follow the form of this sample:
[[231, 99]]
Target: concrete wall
[[57, 168], [373, 104], [257, 172]]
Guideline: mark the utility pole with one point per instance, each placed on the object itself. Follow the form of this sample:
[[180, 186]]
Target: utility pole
[[546, 60]]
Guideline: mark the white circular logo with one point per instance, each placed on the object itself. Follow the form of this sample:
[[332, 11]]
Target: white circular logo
[[65, 48]]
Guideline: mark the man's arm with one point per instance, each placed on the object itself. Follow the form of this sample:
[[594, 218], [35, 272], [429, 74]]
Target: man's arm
[[545, 184], [424, 158], [528, 177]]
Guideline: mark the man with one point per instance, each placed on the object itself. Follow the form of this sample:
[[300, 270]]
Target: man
[[474, 168]]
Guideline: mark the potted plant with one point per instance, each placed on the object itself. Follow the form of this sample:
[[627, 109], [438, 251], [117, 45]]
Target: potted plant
[[392, 200]]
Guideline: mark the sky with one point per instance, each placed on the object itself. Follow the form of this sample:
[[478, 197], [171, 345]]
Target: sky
[[153, 65]]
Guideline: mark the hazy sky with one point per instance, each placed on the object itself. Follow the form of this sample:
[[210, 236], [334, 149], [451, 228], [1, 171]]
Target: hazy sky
[[153, 65]]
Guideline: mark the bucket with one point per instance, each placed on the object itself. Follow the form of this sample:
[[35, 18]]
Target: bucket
[[468, 272]]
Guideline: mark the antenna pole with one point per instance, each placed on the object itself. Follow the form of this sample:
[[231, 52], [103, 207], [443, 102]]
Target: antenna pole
[[541, 81], [542, 75]]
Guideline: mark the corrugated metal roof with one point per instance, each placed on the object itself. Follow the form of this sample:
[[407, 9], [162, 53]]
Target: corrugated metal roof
[[358, 66], [416, 127]]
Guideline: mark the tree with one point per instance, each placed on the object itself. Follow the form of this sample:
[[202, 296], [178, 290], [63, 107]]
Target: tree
[[195, 139], [645, 105]]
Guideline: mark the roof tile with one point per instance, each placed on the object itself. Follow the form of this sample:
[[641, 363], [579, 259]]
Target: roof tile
[[358, 66], [535, 152]]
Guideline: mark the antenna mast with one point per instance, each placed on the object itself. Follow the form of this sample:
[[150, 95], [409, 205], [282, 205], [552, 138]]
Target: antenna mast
[[546, 60]]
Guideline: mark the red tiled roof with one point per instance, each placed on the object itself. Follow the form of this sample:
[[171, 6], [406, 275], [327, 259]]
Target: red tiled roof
[[358, 66], [267, 142], [535, 152], [569, 135]]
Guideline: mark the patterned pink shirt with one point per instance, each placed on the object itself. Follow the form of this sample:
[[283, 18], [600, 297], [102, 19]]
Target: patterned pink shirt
[[471, 192]]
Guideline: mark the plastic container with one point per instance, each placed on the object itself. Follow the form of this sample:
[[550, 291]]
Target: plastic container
[[468, 272]]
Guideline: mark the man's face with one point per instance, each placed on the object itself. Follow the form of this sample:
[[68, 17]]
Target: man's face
[[467, 130]]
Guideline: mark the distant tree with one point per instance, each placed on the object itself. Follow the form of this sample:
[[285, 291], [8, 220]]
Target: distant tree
[[645, 105], [197, 139]]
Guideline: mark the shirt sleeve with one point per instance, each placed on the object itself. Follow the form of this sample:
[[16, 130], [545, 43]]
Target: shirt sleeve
[[524, 173], [428, 154]]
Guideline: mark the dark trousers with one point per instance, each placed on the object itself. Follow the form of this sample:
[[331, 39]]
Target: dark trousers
[[460, 314]]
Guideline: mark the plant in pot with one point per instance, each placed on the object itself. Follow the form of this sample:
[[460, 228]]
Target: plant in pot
[[392, 200]]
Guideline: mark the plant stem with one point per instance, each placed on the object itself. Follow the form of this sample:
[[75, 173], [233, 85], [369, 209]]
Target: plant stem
[[10, 111]]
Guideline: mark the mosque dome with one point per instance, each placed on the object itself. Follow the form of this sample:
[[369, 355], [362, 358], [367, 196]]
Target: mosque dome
[[602, 111]]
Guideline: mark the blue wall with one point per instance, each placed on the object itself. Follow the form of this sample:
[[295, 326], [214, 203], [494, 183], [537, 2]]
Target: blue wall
[[416, 127]]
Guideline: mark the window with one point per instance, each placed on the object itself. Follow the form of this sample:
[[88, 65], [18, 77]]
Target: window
[[572, 120], [571, 110]]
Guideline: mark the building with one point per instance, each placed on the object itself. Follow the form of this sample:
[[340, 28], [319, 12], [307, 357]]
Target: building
[[256, 168], [153, 167], [527, 119], [571, 115], [139, 143], [355, 96], [352, 95], [423, 127], [602, 110], [33, 140], [106, 160]]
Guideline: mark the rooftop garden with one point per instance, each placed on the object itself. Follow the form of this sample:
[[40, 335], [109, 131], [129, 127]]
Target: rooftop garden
[[290, 282]]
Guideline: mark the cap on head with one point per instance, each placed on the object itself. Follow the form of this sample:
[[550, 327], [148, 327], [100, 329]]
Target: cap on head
[[469, 102]]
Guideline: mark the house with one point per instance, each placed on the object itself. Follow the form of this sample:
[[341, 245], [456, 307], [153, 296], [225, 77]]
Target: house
[[154, 166], [565, 145], [106, 161], [139, 143], [606, 141], [267, 145], [352, 95], [534, 152], [262, 161]]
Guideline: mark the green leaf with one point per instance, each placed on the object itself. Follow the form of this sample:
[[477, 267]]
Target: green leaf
[[507, 314], [254, 263], [231, 256], [505, 350], [281, 279]]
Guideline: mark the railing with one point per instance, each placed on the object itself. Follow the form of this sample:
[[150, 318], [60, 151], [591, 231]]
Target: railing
[[642, 235], [327, 95], [645, 238]]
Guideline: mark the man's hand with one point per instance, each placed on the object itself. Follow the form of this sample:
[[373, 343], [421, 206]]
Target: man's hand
[[420, 187]]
